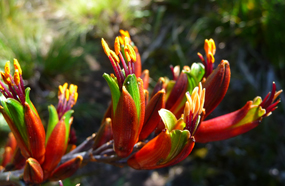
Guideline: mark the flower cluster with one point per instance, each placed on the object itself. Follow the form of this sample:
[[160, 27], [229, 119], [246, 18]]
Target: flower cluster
[[172, 119], [29, 145], [141, 129]]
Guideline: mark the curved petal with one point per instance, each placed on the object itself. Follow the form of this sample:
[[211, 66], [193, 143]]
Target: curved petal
[[55, 147], [33, 172], [223, 127], [66, 169], [36, 134], [125, 125], [153, 153], [152, 117], [216, 86], [184, 153]]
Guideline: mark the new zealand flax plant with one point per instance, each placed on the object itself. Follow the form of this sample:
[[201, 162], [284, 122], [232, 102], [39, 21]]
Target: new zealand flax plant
[[140, 129]]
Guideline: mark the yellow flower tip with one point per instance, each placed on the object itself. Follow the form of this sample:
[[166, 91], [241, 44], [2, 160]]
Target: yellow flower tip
[[1, 87], [75, 97], [5, 78], [65, 86], [195, 101], [212, 46], [121, 40], [211, 57], [67, 94], [117, 45], [17, 66], [127, 40], [114, 56], [105, 47], [7, 69], [17, 77], [125, 33], [72, 88], [127, 54], [133, 53]]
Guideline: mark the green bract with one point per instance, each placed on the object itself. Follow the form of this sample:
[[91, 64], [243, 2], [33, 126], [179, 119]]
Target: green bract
[[195, 75], [53, 121], [131, 85], [114, 88], [178, 138]]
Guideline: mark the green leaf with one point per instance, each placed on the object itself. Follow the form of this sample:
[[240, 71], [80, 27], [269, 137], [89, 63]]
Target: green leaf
[[67, 116], [168, 119], [27, 99], [115, 90], [178, 140], [53, 120], [16, 110], [132, 87]]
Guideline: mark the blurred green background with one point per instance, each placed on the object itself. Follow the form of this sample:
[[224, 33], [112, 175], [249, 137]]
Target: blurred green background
[[58, 41]]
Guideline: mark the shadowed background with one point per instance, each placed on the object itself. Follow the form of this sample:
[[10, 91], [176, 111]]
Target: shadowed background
[[58, 41]]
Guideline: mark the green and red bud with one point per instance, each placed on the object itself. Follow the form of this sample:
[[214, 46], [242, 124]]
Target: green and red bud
[[217, 84], [238, 122], [128, 116], [128, 96], [152, 117], [36, 133], [104, 134], [55, 147], [66, 169], [33, 173], [171, 146]]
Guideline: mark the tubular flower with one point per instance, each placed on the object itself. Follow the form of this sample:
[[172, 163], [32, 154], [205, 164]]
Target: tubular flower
[[58, 129], [210, 50], [21, 115], [193, 94], [128, 100], [240, 121], [177, 140]]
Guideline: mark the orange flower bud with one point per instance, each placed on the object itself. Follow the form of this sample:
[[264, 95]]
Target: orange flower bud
[[66, 169], [36, 133], [33, 173]]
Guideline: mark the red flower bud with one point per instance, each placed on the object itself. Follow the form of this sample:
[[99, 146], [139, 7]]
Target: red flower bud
[[66, 169], [36, 133], [216, 86], [33, 173]]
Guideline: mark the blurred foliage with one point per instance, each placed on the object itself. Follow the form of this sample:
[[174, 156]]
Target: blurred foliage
[[57, 41]]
